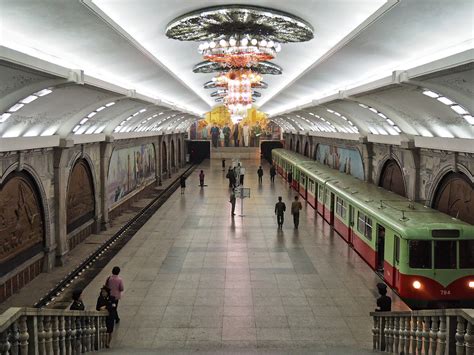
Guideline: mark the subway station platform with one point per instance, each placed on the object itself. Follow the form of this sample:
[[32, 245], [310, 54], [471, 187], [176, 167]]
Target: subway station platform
[[197, 279]]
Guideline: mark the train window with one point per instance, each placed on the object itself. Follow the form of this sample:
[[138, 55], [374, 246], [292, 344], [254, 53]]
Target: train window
[[320, 194], [397, 249], [445, 254], [364, 225], [466, 254], [420, 254], [340, 207], [445, 233]]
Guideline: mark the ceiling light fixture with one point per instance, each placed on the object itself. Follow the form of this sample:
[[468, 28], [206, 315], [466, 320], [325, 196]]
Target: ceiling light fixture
[[20, 104], [453, 105]]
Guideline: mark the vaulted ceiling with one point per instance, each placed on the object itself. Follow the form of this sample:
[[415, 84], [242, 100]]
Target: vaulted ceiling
[[364, 73]]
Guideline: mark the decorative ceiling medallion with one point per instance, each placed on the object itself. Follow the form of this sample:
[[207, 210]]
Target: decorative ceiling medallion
[[264, 68], [222, 22]]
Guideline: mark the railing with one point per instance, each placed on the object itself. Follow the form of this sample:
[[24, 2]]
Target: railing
[[49, 331], [429, 332]]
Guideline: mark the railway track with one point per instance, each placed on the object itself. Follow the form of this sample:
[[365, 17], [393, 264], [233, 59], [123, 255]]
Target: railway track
[[85, 272]]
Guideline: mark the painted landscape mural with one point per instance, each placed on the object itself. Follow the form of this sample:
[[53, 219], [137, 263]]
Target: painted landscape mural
[[346, 160], [129, 169]]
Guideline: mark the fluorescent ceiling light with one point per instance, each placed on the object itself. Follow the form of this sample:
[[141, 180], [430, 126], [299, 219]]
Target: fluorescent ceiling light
[[84, 120], [100, 108], [43, 92], [90, 130], [373, 130], [331, 111], [92, 114], [5, 117], [469, 119], [390, 122], [142, 110], [373, 110], [397, 129], [29, 99], [76, 128], [445, 100], [15, 107], [364, 106], [382, 115], [430, 94], [110, 104], [459, 109]]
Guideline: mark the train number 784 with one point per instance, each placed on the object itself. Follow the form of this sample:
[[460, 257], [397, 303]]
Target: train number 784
[[445, 292]]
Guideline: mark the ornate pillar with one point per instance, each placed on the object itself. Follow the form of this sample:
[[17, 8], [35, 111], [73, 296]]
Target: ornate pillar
[[61, 155], [106, 149], [367, 158], [411, 169]]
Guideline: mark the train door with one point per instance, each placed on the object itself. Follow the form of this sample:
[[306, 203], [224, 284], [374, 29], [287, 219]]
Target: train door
[[380, 247], [351, 224], [331, 210], [396, 263]]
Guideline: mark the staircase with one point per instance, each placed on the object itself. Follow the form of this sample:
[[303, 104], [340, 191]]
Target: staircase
[[440, 331]]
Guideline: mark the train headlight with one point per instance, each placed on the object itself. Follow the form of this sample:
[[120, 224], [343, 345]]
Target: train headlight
[[417, 284], [471, 284]]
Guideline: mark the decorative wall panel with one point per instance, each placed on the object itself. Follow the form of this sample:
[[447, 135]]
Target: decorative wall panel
[[80, 196], [455, 196], [346, 160], [129, 169], [392, 178], [21, 221]]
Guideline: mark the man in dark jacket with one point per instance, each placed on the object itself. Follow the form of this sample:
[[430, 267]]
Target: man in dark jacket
[[232, 200], [280, 209], [295, 211], [260, 174], [272, 173]]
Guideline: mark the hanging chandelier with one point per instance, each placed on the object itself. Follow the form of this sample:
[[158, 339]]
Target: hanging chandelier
[[238, 41]]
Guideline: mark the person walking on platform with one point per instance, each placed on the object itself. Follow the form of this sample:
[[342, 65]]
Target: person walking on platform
[[272, 173], [201, 178], [289, 177], [77, 304], [242, 175], [296, 207], [231, 176], [182, 182], [280, 209], [260, 174], [115, 284], [232, 201], [106, 302]]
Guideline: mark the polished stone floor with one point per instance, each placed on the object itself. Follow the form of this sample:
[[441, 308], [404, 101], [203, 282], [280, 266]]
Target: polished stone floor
[[197, 279]]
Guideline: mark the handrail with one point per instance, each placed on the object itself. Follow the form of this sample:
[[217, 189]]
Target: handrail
[[51, 331], [128, 230], [438, 331]]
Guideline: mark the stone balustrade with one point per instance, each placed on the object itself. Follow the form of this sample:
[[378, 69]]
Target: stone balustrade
[[51, 331], [428, 332]]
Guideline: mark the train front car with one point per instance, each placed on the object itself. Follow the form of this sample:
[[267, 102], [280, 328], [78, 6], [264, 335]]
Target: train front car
[[436, 266]]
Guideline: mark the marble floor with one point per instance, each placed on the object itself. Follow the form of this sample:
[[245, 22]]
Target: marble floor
[[197, 279]]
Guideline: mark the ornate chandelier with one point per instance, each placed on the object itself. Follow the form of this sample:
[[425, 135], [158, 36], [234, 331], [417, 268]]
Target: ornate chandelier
[[238, 41]]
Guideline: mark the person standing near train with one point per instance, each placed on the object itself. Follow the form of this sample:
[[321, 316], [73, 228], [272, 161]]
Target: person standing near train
[[296, 207]]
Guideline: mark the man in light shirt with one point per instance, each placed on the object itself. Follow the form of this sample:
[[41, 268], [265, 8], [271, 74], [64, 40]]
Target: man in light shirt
[[115, 284]]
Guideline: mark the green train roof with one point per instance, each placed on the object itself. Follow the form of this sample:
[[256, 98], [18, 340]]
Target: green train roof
[[418, 220]]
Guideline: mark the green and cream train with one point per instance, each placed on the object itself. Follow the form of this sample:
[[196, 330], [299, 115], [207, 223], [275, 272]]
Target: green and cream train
[[426, 256]]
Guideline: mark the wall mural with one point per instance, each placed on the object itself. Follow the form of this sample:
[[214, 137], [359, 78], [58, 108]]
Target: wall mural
[[129, 169], [346, 160], [21, 221], [80, 196]]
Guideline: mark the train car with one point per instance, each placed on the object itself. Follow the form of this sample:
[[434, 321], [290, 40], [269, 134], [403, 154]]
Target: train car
[[427, 257], [287, 161]]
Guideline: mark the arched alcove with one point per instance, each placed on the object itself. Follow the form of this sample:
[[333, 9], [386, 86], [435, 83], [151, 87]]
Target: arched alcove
[[391, 178], [306, 149], [22, 229], [80, 200], [455, 196], [164, 158]]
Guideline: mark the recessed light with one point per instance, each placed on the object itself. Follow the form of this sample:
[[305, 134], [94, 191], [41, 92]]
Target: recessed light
[[469, 119], [100, 108], [5, 117], [390, 122], [445, 100], [430, 94], [84, 120], [459, 109], [29, 99], [382, 115], [92, 114], [15, 107], [110, 104], [373, 110], [43, 92]]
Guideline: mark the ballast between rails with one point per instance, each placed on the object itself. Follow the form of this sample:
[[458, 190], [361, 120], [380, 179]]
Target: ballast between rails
[[128, 230]]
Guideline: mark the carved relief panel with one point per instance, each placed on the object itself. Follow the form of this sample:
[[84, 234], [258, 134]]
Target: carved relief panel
[[21, 221], [80, 196], [455, 196]]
